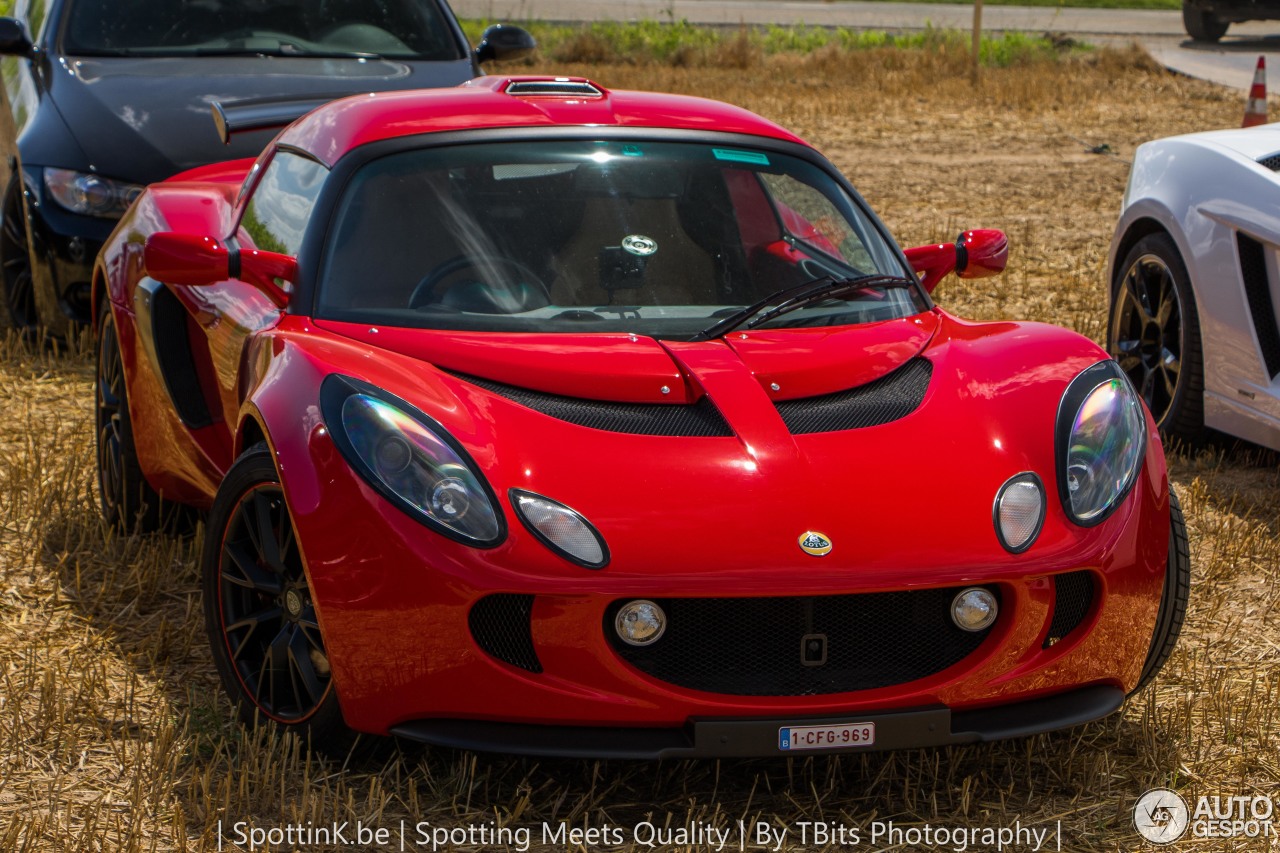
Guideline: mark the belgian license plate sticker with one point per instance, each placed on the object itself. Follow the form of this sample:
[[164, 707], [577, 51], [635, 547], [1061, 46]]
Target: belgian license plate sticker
[[826, 737]]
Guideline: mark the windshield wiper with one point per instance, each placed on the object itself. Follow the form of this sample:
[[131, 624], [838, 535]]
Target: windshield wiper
[[784, 301]]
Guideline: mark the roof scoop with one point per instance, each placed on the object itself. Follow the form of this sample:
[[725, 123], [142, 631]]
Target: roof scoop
[[552, 87]]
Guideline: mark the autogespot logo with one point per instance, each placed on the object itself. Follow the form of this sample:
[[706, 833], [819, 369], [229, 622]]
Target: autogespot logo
[[1161, 816]]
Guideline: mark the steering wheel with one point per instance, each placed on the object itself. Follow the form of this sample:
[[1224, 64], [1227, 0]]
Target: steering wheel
[[424, 293]]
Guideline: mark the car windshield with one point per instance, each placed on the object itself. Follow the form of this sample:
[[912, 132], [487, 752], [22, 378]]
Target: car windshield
[[655, 238], [401, 29]]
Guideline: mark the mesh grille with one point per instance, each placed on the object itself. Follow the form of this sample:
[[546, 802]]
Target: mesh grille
[[886, 399], [1253, 270], [500, 626], [1072, 597], [755, 646], [700, 420], [1272, 162]]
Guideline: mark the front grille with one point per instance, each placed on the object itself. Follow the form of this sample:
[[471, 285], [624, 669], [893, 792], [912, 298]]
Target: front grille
[[754, 646], [1272, 162], [888, 398], [1253, 271], [500, 625], [1072, 598], [700, 420]]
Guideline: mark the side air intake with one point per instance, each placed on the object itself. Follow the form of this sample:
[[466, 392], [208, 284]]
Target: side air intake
[[1272, 162], [1253, 271]]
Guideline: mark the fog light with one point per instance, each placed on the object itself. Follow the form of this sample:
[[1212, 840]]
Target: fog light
[[974, 609], [640, 623], [1019, 512]]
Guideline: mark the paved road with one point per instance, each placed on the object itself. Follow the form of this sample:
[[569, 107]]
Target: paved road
[[1230, 63]]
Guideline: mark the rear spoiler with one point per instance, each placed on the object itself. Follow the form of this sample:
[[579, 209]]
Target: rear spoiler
[[245, 116]]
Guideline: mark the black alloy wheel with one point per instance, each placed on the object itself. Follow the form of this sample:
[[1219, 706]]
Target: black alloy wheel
[[259, 612], [1154, 335], [128, 502], [15, 264]]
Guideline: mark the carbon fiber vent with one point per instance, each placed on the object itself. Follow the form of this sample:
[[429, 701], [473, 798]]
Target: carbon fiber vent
[[500, 625], [1272, 162], [1253, 270], [863, 642], [1072, 598], [701, 420], [886, 399]]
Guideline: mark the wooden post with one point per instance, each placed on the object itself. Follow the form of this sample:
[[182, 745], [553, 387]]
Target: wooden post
[[977, 40]]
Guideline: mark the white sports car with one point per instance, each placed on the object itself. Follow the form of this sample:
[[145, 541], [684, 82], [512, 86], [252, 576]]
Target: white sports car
[[1194, 280]]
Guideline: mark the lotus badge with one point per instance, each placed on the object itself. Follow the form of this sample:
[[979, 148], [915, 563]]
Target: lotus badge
[[813, 542]]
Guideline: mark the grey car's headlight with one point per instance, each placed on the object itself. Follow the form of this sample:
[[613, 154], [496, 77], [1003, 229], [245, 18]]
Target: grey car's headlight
[[1100, 440], [411, 460], [88, 194]]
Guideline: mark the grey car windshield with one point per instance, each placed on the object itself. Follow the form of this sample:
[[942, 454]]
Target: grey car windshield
[[655, 238], [400, 29]]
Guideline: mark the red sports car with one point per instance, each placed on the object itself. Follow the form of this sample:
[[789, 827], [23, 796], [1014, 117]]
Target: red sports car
[[535, 417]]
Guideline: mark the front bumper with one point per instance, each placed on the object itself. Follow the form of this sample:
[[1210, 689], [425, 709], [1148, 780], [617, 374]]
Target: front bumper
[[758, 738], [66, 245]]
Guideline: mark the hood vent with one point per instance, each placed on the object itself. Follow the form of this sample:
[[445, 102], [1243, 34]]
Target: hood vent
[[558, 87], [886, 399], [700, 420], [1272, 162]]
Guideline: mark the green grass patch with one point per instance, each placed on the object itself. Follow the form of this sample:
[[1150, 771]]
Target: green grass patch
[[682, 43]]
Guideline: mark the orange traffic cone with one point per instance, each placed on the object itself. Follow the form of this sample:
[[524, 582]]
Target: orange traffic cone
[[1255, 109]]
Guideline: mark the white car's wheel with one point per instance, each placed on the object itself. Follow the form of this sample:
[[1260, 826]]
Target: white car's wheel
[[1154, 335]]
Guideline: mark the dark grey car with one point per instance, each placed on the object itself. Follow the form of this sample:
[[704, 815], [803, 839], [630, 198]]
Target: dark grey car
[[110, 95]]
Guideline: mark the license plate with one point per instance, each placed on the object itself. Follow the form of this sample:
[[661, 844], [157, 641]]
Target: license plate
[[826, 737]]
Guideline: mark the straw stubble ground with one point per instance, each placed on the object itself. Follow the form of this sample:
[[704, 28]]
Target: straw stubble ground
[[114, 736]]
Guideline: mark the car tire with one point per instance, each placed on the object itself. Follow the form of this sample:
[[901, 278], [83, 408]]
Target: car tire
[[128, 502], [1201, 24], [258, 611], [15, 264], [1154, 325], [1173, 597]]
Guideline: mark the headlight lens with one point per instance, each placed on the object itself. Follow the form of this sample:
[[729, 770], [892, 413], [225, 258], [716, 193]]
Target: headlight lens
[[1101, 442], [88, 194], [411, 461]]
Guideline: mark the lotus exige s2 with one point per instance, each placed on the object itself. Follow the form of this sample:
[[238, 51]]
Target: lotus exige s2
[[535, 417]]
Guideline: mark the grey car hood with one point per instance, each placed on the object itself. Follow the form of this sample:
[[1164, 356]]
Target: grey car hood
[[144, 119]]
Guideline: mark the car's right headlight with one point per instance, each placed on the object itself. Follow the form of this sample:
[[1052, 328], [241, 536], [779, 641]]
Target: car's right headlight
[[1100, 440], [89, 194], [411, 460]]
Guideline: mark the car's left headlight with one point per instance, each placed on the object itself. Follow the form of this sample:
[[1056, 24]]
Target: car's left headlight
[[89, 194], [411, 460], [1101, 439]]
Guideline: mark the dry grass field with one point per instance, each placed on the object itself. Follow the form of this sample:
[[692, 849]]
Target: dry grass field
[[115, 736]]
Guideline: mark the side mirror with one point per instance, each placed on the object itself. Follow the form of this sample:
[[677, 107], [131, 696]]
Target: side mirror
[[14, 40], [197, 261], [502, 42], [974, 254], [185, 259]]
